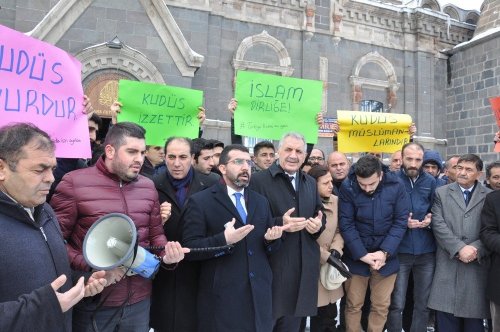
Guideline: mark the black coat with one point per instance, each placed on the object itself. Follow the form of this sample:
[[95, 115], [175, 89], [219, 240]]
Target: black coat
[[490, 236], [235, 291], [173, 301], [296, 265], [33, 255]]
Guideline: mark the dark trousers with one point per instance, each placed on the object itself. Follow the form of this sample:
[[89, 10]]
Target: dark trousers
[[287, 324], [325, 320], [130, 318], [449, 323]]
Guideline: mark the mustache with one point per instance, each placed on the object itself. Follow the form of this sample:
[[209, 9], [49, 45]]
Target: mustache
[[244, 173], [292, 160]]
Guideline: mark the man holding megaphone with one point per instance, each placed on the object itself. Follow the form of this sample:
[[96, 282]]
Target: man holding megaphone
[[114, 185], [36, 282]]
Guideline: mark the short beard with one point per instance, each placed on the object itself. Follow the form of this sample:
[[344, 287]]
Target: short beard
[[240, 184]]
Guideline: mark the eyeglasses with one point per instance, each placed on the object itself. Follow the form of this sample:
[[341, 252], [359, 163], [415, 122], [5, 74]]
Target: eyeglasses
[[240, 162], [316, 158]]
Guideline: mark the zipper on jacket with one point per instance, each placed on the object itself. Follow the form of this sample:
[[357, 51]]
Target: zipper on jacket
[[124, 200], [43, 233]]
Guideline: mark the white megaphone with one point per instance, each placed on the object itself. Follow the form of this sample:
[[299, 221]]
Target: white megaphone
[[112, 242]]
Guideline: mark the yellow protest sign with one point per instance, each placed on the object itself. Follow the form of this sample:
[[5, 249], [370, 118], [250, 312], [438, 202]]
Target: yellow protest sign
[[372, 132]]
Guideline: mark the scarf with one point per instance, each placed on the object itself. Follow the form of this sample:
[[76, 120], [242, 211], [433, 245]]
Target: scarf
[[181, 186]]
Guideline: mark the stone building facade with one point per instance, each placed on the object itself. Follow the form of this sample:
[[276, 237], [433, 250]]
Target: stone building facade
[[474, 68], [364, 51]]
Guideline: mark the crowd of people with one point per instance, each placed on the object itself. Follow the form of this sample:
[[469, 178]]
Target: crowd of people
[[246, 241]]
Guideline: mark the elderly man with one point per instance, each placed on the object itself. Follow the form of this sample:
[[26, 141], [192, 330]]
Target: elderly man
[[450, 169], [493, 175], [396, 161], [459, 285], [114, 185], [36, 287], [294, 201], [173, 303]]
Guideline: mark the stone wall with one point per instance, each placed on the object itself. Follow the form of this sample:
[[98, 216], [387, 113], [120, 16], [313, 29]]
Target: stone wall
[[390, 53], [474, 69]]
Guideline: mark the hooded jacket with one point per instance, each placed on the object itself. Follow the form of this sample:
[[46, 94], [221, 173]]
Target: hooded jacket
[[369, 223], [431, 156]]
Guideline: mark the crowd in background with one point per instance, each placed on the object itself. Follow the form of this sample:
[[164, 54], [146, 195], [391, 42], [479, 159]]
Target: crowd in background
[[251, 237]]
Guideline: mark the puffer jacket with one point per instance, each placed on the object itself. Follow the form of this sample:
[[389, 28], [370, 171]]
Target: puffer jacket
[[372, 223], [85, 195], [418, 241]]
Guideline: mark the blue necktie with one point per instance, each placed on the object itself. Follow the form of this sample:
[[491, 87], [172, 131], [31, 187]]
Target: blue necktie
[[467, 196], [240, 208]]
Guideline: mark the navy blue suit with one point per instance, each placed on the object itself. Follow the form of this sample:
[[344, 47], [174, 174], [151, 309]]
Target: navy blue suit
[[235, 291]]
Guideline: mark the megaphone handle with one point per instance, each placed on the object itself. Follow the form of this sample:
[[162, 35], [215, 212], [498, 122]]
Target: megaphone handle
[[204, 249]]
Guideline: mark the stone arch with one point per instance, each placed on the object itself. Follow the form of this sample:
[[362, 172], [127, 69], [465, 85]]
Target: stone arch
[[125, 59], [472, 18], [102, 68], [285, 64], [451, 12], [431, 4], [357, 82]]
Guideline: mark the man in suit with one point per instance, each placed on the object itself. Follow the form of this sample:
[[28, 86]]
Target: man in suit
[[173, 303], [459, 285], [490, 235], [294, 200], [235, 284]]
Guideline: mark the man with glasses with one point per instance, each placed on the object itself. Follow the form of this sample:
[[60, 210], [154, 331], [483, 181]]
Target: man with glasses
[[235, 284], [317, 157]]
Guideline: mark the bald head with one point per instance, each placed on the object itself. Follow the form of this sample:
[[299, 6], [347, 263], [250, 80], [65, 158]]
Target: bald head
[[338, 165]]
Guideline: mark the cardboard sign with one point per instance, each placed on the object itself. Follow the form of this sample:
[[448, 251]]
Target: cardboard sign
[[270, 106], [164, 111], [41, 84], [372, 132], [326, 129]]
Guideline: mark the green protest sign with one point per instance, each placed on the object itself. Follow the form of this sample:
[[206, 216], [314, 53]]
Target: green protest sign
[[162, 110], [270, 106]]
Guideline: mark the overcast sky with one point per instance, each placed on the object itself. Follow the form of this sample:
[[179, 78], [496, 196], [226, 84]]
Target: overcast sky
[[464, 4]]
